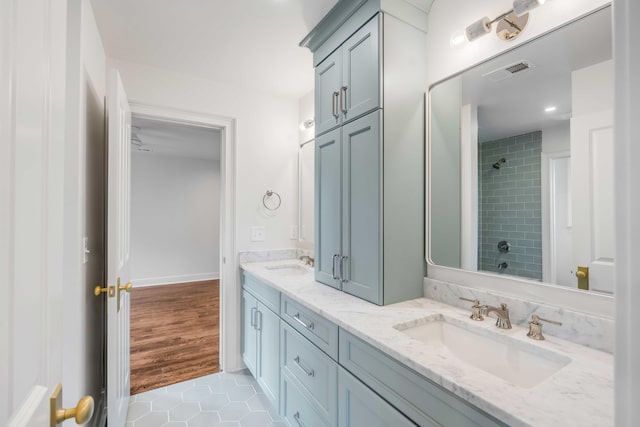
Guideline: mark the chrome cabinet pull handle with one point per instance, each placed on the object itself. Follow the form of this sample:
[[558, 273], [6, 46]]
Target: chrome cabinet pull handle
[[310, 373], [333, 267], [342, 263], [309, 325], [334, 105], [259, 328], [343, 100], [253, 316], [296, 417]]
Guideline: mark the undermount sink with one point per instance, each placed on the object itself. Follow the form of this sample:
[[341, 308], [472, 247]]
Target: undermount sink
[[514, 361], [289, 269]]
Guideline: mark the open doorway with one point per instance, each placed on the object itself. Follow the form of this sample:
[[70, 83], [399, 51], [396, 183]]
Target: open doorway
[[176, 208]]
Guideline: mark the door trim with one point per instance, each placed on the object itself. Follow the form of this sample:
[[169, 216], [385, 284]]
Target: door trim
[[230, 296]]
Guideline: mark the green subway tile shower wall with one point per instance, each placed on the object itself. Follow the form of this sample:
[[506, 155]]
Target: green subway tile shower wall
[[509, 205]]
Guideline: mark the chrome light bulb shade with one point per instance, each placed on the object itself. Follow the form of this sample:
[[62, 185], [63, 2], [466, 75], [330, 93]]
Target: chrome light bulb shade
[[478, 29]]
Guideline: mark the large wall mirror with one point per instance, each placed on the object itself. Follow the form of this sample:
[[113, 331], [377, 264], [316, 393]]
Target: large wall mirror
[[521, 162]]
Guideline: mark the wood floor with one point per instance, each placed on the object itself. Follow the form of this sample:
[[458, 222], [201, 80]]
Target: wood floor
[[174, 333]]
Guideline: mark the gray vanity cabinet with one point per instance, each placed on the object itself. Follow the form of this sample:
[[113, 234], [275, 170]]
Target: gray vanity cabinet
[[348, 203], [369, 171], [328, 77], [361, 261], [360, 90], [347, 82], [358, 406], [328, 205], [249, 332], [261, 335], [328, 81]]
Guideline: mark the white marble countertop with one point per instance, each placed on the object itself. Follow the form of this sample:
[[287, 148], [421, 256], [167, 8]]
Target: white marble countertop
[[579, 394]]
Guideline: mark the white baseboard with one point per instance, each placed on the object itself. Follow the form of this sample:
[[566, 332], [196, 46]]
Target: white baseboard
[[169, 280]]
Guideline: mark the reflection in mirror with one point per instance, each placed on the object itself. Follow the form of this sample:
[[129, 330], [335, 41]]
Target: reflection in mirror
[[306, 196], [521, 161]]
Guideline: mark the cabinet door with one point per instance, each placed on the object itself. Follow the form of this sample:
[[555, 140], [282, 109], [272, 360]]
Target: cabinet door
[[268, 360], [328, 81], [296, 407], [249, 336], [361, 264], [358, 406], [360, 90], [328, 207]]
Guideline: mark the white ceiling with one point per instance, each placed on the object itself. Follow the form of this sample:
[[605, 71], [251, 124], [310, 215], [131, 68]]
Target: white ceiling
[[251, 43], [175, 139], [516, 105]]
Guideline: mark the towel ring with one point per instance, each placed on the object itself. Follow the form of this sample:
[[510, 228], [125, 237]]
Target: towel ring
[[272, 206]]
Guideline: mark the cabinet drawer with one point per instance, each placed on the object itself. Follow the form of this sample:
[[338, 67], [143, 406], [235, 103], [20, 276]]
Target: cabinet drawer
[[317, 329], [315, 371], [421, 400], [361, 407], [264, 293], [296, 407]]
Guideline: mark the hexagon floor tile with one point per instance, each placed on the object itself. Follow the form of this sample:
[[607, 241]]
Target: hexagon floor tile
[[222, 399]]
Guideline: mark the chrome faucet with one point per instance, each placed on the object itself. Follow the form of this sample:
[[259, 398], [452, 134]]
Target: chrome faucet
[[307, 260], [502, 313], [535, 328], [475, 309]]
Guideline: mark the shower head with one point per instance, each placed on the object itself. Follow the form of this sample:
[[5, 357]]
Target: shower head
[[497, 164]]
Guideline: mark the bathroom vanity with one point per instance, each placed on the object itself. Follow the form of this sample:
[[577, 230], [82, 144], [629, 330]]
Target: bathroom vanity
[[346, 362]]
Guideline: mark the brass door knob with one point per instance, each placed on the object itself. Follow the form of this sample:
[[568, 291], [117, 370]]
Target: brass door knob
[[120, 288], [582, 273], [111, 290], [82, 412]]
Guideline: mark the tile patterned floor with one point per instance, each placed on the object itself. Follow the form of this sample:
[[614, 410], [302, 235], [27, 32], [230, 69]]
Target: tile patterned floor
[[220, 400]]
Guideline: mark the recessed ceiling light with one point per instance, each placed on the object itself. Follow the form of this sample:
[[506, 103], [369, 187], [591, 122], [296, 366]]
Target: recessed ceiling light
[[550, 109]]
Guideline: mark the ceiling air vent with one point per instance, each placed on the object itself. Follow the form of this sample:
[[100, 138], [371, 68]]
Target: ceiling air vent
[[508, 71]]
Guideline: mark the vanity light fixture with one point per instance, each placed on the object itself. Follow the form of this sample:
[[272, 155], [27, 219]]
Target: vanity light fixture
[[550, 109], [510, 24]]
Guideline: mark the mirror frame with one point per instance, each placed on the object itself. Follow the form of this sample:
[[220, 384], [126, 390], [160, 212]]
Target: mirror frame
[[300, 146], [602, 305]]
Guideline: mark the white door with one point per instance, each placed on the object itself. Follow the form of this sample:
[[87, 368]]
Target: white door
[[118, 214], [592, 177], [32, 145]]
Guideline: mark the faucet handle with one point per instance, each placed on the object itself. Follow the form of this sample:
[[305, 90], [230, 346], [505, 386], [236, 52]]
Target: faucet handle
[[475, 309], [535, 328], [474, 301], [535, 318]]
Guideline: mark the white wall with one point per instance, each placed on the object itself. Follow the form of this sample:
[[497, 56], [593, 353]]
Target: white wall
[[175, 219], [84, 209], [592, 89], [266, 151], [556, 138]]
